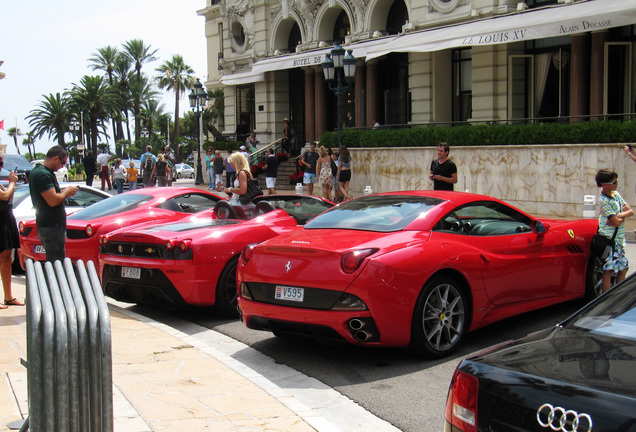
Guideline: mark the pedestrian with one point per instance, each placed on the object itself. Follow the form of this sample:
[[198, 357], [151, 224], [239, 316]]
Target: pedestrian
[[271, 171], [148, 161], [251, 142], [243, 174], [334, 170], [160, 171], [9, 239], [344, 172], [443, 170], [171, 161], [246, 154], [102, 160], [242, 131], [89, 168], [209, 167], [218, 170], [132, 176], [119, 175], [309, 161], [350, 121], [48, 202], [230, 174], [611, 224], [325, 175], [289, 136]]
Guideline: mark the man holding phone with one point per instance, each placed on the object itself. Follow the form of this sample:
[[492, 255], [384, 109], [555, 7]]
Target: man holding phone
[[48, 202]]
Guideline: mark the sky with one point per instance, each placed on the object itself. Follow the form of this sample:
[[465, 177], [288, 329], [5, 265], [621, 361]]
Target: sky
[[46, 46]]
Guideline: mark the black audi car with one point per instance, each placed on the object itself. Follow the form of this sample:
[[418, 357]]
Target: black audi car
[[579, 376]]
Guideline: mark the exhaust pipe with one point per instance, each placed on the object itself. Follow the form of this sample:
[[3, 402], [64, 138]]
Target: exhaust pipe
[[356, 324], [362, 336]]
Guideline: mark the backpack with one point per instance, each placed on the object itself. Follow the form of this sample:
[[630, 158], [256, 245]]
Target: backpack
[[148, 163]]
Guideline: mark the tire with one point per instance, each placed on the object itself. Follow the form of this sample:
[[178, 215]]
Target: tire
[[65, 179], [593, 278], [226, 290], [192, 175], [440, 318], [178, 176]]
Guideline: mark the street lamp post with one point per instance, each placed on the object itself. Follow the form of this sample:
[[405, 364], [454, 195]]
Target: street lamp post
[[198, 98], [335, 66], [144, 134], [74, 127]]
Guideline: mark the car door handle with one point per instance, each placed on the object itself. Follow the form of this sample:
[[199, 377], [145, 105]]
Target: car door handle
[[484, 259]]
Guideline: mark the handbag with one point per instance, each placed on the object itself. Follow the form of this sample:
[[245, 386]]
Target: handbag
[[602, 246], [253, 190]]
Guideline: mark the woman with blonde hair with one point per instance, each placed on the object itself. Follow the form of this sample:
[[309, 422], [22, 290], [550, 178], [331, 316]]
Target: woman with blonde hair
[[132, 176], [243, 174], [323, 168], [161, 171], [119, 175]]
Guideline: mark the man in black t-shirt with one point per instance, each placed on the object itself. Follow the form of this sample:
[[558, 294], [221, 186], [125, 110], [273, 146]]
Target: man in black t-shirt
[[271, 171], [309, 161], [443, 170]]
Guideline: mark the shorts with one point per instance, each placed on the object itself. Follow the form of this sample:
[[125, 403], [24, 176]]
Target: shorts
[[309, 178], [218, 178], [345, 176], [617, 261], [270, 182]]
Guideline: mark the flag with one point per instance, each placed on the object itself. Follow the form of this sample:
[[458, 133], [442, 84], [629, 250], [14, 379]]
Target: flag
[[1, 124]]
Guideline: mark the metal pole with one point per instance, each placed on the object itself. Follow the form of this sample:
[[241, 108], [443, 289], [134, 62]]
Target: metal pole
[[199, 178], [339, 92]]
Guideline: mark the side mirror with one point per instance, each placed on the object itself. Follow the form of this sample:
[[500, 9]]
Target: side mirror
[[538, 227]]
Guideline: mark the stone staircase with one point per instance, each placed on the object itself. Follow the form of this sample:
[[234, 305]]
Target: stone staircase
[[285, 169]]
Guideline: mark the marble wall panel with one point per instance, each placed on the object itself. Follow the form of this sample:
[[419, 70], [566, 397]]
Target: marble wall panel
[[548, 180]]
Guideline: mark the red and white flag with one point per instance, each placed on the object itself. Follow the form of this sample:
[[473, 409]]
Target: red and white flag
[[1, 124]]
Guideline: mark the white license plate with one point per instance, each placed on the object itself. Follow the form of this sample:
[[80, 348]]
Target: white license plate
[[40, 249], [131, 272], [289, 293]]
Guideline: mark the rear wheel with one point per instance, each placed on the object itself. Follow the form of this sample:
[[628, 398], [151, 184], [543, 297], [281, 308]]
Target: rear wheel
[[178, 175], [440, 318], [192, 175], [226, 290], [594, 278]]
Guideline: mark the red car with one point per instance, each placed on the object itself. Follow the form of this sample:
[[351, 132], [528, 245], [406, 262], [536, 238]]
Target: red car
[[417, 268], [193, 261], [84, 227]]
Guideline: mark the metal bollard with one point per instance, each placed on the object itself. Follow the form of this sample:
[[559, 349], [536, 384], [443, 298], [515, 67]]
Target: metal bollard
[[69, 358]]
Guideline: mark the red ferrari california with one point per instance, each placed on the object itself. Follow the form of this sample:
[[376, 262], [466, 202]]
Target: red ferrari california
[[416, 268], [193, 261], [84, 227]]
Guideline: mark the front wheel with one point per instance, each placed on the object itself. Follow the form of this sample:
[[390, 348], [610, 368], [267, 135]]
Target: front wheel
[[440, 318], [178, 175], [226, 290], [192, 175]]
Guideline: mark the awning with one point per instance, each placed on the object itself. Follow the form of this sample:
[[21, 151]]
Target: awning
[[242, 78], [554, 21], [306, 59]]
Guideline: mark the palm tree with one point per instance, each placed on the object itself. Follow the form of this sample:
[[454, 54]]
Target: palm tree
[[28, 142], [94, 96], [138, 53], [175, 76], [52, 116], [15, 133], [122, 86], [105, 60]]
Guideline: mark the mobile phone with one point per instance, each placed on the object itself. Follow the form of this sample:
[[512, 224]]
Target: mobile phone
[[16, 169]]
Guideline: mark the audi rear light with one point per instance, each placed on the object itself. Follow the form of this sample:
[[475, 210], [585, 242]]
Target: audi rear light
[[352, 260], [184, 245], [461, 403], [247, 253]]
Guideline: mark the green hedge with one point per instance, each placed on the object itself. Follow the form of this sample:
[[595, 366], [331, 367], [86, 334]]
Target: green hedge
[[473, 135]]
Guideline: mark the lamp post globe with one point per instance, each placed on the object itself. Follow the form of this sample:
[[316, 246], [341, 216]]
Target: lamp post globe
[[198, 98], [341, 69]]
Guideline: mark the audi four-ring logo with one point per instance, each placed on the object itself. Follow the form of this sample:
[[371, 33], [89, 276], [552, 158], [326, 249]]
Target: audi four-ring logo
[[560, 419]]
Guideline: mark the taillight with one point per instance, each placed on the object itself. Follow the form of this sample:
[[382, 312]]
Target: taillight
[[90, 230], [184, 245], [352, 260], [21, 227], [169, 245], [247, 253], [103, 240], [461, 403]]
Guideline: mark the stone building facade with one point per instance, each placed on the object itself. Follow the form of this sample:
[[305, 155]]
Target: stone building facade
[[421, 61]]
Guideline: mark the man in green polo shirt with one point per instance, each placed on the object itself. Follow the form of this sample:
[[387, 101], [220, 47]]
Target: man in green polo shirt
[[48, 202]]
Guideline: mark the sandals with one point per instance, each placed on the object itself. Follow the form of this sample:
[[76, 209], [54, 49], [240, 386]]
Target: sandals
[[3, 306], [13, 302]]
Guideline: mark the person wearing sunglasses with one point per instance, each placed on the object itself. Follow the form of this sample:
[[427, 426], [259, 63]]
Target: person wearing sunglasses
[[48, 202], [613, 212], [9, 239]]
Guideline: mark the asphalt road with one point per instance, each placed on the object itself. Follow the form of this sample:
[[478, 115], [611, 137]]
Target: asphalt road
[[405, 390]]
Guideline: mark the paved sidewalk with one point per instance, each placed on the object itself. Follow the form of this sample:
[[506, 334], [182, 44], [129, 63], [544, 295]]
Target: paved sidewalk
[[184, 377]]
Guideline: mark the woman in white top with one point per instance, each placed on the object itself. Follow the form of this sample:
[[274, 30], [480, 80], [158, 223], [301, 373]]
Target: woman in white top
[[243, 174], [119, 175]]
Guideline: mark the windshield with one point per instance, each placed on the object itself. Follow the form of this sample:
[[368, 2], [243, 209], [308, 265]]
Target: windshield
[[383, 213], [613, 315], [11, 161], [19, 194], [110, 206]]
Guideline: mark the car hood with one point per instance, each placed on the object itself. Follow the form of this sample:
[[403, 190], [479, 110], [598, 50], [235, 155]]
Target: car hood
[[571, 356]]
